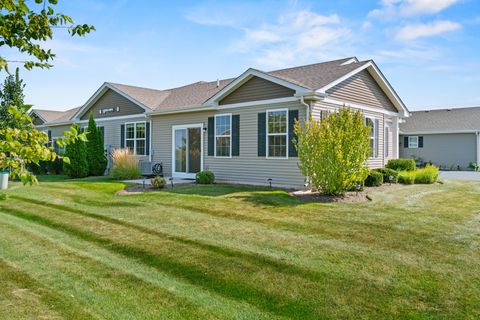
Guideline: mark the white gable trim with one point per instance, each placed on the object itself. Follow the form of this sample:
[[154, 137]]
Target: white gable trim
[[359, 106], [100, 92], [38, 115], [247, 75], [381, 81]]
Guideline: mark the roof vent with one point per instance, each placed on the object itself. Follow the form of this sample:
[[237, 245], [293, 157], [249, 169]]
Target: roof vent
[[218, 83], [449, 109]]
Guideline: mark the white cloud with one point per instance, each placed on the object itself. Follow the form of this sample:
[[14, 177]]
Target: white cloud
[[393, 8], [420, 30]]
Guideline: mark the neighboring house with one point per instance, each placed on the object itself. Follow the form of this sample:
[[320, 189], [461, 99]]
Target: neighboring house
[[241, 128], [449, 138]]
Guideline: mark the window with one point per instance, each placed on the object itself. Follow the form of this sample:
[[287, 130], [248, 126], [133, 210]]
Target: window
[[413, 142], [371, 122], [135, 137], [387, 141], [277, 133], [58, 149], [223, 135]]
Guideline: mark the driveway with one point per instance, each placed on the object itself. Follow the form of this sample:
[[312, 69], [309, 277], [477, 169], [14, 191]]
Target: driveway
[[462, 175]]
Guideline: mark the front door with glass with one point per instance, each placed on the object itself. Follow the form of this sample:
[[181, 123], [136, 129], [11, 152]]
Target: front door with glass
[[187, 150]]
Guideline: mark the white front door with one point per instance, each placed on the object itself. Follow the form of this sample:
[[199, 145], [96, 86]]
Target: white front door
[[187, 150]]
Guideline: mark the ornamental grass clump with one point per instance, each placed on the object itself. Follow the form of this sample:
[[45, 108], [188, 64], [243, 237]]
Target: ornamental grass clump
[[125, 165], [333, 152]]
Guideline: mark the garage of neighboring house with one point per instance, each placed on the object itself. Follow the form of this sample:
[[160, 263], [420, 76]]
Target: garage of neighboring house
[[448, 138]]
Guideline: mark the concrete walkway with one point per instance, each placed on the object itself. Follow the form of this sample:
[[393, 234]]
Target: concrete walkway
[[461, 175]]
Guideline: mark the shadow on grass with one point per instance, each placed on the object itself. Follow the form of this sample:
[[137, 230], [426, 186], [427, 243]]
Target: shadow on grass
[[104, 204], [297, 308]]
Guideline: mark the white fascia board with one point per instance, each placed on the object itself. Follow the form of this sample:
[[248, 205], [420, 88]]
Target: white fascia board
[[247, 75], [437, 132], [37, 114], [381, 81], [359, 106]]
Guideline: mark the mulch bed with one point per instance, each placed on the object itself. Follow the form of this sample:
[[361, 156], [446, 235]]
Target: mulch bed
[[349, 197]]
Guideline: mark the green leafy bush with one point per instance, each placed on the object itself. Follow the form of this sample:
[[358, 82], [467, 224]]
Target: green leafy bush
[[77, 153], [406, 177], [374, 179], [401, 164], [205, 177], [333, 152], [427, 175], [158, 182], [3, 196], [97, 162], [387, 173], [125, 165]]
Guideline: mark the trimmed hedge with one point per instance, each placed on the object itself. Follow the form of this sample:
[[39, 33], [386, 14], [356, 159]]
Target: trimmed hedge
[[374, 179], [387, 173], [401, 164], [205, 177]]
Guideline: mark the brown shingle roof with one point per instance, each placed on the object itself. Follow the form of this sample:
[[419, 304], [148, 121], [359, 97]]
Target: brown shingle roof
[[444, 120], [311, 77]]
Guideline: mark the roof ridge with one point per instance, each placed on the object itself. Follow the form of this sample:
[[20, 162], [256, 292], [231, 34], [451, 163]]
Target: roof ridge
[[313, 64], [446, 109]]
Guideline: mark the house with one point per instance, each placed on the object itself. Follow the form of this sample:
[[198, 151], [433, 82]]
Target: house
[[449, 138], [240, 128]]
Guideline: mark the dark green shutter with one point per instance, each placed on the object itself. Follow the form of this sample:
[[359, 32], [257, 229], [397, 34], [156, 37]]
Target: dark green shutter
[[235, 135], [292, 116], [122, 136], [261, 143], [420, 142], [102, 134], [49, 133], [405, 142], [377, 136], [211, 136], [147, 140]]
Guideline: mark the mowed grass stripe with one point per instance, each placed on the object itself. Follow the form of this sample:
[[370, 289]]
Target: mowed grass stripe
[[252, 258], [295, 307], [214, 305], [89, 284], [52, 304]]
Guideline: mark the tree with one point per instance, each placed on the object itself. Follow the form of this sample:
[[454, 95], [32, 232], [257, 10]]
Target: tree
[[11, 94], [25, 26], [21, 144], [97, 162], [333, 152], [76, 152]]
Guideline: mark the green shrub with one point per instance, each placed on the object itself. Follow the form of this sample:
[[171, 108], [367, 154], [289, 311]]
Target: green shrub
[[55, 167], [406, 177], [374, 179], [427, 175], [333, 152], [3, 196], [387, 173], [77, 153], [158, 182], [401, 164], [97, 162], [125, 165], [205, 177]]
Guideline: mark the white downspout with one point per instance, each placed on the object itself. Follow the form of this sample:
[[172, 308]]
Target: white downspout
[[302, 101], [478, 147]]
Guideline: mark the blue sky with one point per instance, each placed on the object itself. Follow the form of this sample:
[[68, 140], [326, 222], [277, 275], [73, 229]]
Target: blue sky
[[428, 49]]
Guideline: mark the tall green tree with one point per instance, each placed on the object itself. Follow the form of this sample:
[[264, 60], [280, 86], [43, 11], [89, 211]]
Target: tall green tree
[[333, 152], [77, 167], [97, 162], [11, 94], [27, 25]]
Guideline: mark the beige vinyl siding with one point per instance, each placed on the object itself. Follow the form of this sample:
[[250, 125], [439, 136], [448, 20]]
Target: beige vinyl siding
[[257, 89], [374, 162], [246, 168], [111, 99], [57, 131], [362, 89]]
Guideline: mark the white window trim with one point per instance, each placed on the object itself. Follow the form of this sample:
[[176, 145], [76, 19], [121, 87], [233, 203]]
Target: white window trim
[[410, 142], [135, 137], [276, 134], [374, 136], [220, 136]]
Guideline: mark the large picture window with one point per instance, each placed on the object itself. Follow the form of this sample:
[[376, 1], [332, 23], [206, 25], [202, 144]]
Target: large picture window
[[277, 133], [223, 135], [371, 122], [135, 137]]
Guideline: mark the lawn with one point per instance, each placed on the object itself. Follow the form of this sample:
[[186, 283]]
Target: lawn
[[75, 250]]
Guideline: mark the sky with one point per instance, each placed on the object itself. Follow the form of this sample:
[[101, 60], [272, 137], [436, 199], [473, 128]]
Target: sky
[[429, 50]]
